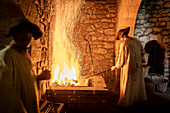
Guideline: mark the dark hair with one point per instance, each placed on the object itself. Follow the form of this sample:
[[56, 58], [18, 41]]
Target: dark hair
[[34, 29]]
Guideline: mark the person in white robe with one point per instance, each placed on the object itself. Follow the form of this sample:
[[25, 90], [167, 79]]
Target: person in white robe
[[17, 79], [132, 86]]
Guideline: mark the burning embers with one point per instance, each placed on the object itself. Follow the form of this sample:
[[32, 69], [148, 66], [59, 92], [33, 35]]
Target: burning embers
[[66, 75]]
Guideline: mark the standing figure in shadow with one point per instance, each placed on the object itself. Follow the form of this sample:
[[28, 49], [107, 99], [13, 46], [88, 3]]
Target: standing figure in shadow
[[156, 51], [132, 86]]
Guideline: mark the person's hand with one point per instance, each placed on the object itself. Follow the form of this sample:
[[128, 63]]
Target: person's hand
[[45, 75], [113, 68]]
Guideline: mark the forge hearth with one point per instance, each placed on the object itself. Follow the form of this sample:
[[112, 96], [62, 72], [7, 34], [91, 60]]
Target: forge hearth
[[77, 94], [91, 89], [79, 98]]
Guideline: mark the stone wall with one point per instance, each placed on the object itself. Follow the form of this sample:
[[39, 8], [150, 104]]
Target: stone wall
[[153, 23], [95, 34]]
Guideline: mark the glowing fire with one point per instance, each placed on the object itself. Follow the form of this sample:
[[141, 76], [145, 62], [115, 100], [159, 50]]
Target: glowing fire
[[65, 57], [68, 75]]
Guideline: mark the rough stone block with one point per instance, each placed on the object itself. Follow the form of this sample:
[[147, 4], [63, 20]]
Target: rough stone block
[[109, 31]]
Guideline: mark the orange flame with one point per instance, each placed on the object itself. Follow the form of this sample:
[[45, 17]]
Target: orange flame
[[67, 74], [65, 57]]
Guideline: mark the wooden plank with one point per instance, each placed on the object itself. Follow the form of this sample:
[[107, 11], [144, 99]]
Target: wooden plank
[[60, 107], [43, 105]]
